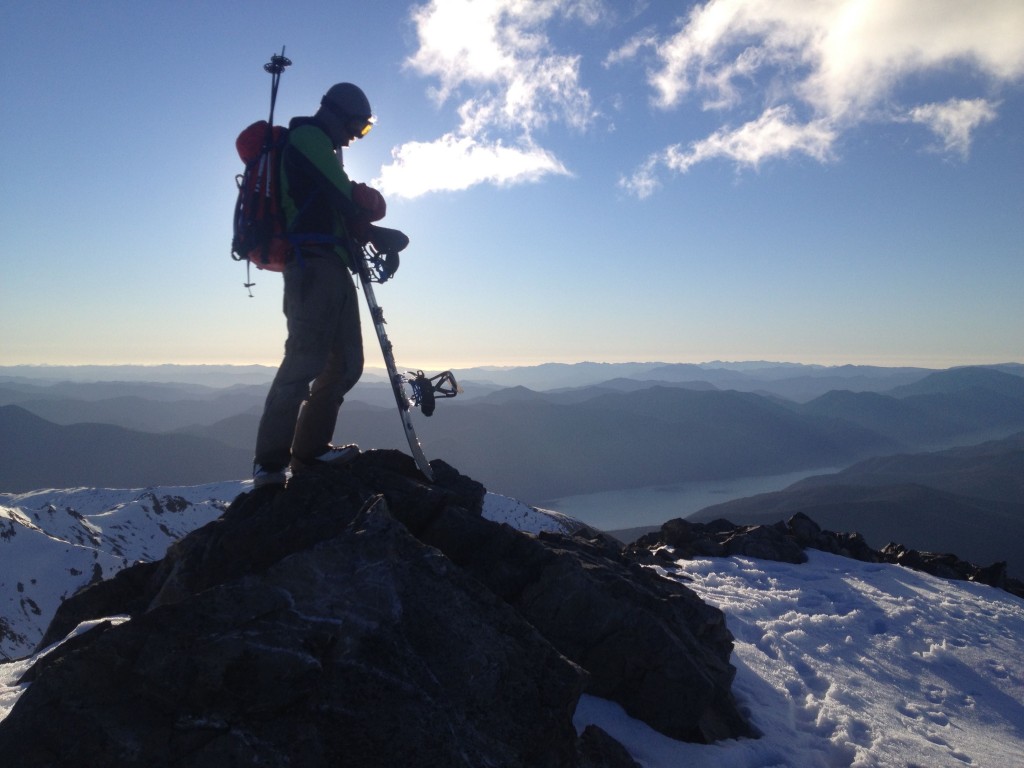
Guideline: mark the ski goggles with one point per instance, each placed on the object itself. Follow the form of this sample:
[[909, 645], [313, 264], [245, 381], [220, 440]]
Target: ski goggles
[[360, 126]]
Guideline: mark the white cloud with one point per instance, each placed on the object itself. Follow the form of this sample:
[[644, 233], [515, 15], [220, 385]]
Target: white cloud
[[631, 48], [841, 56], [793, 75], [454, 163], [840, 62], [497, 58], [775, 134], [644, 180], [954, 122]]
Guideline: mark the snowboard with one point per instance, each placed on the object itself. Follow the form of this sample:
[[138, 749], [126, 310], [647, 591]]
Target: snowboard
[[378, 263]]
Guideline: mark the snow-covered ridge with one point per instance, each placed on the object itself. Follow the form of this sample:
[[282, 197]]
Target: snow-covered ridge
[[54, 542], [839, 662], [523, 517]]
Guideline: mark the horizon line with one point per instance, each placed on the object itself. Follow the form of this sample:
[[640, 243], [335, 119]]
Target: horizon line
[[510, 366]]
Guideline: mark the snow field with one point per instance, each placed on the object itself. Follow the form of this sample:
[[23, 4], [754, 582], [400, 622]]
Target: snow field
[[839, 663], [843, 663]]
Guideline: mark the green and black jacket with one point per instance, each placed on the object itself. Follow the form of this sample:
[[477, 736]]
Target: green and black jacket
[[316, 193]]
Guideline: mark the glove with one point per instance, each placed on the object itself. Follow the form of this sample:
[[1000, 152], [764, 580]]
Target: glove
[[370, 200], [360, 231]]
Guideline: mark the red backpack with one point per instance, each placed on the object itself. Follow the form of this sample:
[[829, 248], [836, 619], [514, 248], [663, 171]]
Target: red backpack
[[259, 235]]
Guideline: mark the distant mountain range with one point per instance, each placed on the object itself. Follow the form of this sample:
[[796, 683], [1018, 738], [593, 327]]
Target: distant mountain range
[[967, 500], [203, 375], [540, 446], [787, 380], [955, 406], [626, 431], [35, 453], [791, 381]]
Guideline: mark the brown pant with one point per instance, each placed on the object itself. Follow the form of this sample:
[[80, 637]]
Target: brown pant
[[323, 360]]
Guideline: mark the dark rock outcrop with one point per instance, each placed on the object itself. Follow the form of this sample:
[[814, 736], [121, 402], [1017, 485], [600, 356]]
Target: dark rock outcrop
[[948, 566], [647, 642], [786, 542], [363, 617], [682, 539]]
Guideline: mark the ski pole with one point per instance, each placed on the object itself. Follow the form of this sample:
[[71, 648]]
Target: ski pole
[[275, 67]]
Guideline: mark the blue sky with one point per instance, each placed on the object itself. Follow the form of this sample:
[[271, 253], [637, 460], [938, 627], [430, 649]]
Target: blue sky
[[831, 182]]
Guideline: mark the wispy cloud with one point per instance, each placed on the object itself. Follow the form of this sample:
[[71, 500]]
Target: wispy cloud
[[774, 134], [496, 60], [837, 62], [786, 78], [954, 121]]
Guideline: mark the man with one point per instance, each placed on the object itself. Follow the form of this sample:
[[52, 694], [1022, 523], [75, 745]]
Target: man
[[323, 356]]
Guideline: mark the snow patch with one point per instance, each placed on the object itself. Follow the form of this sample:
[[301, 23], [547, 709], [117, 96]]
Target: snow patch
[[523, 517], [843, 663]]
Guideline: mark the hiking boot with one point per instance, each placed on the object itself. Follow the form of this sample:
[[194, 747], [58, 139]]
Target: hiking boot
[[335, 456], [263, 476]]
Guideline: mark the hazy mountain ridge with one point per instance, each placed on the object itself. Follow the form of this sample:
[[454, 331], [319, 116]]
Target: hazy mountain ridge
[[536, 445], [140, 413], [969, 379], [966, 500], [202, 375], [571, 395], [964, 405], [35, 453], [992, 470], [535, 449], [517, 440], [747, 376]]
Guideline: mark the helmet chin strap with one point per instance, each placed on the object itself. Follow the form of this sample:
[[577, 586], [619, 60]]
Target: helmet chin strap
[[337, 127]]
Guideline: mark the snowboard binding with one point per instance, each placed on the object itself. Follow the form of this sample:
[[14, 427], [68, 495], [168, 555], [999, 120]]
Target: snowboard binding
[[426, 391], [380, 252]]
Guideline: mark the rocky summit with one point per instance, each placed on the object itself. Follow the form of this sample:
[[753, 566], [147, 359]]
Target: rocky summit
[[364, 617]]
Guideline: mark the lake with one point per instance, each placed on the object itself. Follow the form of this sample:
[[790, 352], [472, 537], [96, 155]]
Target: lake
[[652, 506]]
